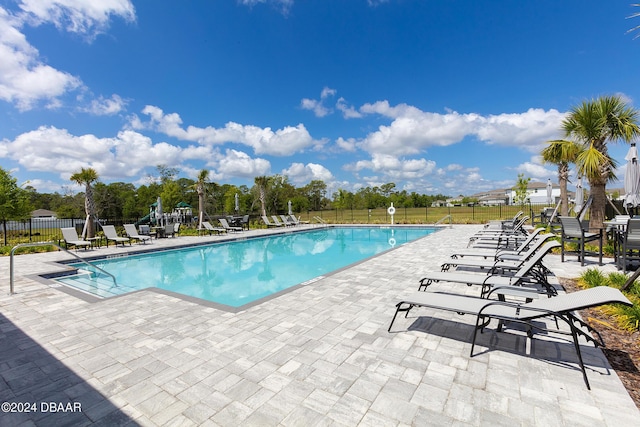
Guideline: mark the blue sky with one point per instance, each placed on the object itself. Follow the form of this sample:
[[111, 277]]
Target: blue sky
[[452, 97]]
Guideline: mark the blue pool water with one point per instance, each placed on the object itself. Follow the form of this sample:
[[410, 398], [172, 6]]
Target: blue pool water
[[240, 272]]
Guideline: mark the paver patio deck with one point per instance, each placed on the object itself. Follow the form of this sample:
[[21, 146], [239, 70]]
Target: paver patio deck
[[319, 355]]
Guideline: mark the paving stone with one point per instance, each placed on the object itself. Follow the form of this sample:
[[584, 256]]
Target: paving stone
[[319, 355]]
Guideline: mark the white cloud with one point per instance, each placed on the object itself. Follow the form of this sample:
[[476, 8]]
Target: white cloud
[[282, 142], [25, 80], [301, 174], [106, 106], [126, 156], [77, 16], [50, 149], [411, 130], [536, 171], [348, 111], [394, 168], [317, 106], [235, 163], [283, 5]]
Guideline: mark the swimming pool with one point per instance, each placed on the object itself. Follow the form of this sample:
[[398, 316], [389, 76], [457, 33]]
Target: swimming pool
[[236, 273]]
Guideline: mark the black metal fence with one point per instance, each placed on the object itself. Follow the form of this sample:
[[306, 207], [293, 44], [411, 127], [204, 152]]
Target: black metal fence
[[44, 230]]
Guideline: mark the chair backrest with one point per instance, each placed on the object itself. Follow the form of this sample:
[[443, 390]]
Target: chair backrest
[[168, 229], [69, 234], [571, 227], [245, 219], [266, 220], [109, 231], [523, 246], [176, 227], [536, 245], [285, 219], [294, 219], [144, 229], [536, 258], [130, 230], [224, 222], [275, 220], [207, 225]]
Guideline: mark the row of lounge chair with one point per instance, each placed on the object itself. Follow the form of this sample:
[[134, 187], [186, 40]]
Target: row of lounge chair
[[208, 228], [287, 221], [72, 240], [507, 267]]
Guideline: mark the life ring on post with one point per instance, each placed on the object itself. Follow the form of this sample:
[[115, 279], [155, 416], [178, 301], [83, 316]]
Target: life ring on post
[[391, 210]]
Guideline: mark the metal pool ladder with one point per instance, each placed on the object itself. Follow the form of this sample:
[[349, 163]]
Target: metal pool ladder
[[22, 245]]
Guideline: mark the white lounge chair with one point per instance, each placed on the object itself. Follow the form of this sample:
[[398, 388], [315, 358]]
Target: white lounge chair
[[211, 229], [559, 307], [268, 223], [133, 234], [111, 234], [228, 227], [287, 221], [71, 239], [276, 221]]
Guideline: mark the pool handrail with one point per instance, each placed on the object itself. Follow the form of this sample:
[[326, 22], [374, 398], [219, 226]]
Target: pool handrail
[[441, 220], [23, 245]]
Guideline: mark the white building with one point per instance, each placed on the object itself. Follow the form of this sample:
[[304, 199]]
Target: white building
[[536, 193]]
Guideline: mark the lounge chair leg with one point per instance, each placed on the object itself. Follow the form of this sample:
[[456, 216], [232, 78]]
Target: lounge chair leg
[[399, 309], [579, 353]]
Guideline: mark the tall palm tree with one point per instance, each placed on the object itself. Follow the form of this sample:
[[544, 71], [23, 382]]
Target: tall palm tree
[[635, 15], [594, 124], [200, 186], [87, 177], [561, 152], [262, 182]]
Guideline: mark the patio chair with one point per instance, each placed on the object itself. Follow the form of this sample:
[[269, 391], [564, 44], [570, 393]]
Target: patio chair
[[572, 232], [211, 229], [133, 234], [504, 261], [144, 229], [71, 239], [631, 243], [111, 235], [176, 228], [560, 307], [228, 227], [245, 222], [268, 223], [530, 278], [169, 230]]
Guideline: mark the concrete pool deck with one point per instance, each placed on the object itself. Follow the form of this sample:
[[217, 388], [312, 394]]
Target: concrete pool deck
[[319, 355]]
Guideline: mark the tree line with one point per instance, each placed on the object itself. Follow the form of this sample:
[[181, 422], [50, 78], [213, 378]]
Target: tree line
[[125, 200]]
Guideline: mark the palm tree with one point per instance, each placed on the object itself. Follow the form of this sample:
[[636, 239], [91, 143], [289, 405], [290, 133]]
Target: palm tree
[[635, 15], [262, 182], [561, 153], [593, 124], [87, 177], [200, 187]]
